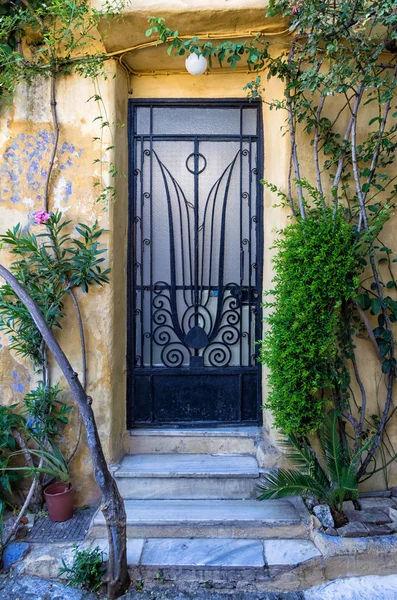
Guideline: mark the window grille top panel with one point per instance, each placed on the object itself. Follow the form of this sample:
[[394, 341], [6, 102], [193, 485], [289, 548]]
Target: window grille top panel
[[192, 121]]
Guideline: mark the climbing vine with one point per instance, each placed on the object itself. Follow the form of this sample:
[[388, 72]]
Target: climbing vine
[[335, 285]]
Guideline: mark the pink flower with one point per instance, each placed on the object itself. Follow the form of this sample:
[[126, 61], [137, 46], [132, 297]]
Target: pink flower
[[41, 217], [295, 10]]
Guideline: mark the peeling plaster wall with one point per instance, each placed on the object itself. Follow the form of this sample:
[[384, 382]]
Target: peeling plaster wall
[[26, 140], [26, 143]]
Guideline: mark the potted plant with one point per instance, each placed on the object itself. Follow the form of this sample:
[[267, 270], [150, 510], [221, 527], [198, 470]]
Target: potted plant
[[60, 494]]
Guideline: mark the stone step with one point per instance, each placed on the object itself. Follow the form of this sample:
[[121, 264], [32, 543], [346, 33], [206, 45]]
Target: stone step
[[189, 476], [222, 563], [222, 440], [208, 519]]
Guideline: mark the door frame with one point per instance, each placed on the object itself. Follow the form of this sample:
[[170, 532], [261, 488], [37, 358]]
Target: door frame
[[194, 103]]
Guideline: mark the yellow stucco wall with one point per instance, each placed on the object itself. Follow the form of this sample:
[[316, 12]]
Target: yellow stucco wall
[[25, 142]]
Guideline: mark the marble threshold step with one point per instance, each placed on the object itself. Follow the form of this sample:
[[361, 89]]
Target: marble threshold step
[[220, 440], [202, 559], [209, 519], [188, 476]]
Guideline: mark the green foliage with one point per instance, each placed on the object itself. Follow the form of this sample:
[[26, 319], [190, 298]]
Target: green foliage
[[61, 36], [54, 464], [42, 451], [316, 270], [231, 53], [49, 265], [9, 421], [86, 571], [46, 413], [334, 483]]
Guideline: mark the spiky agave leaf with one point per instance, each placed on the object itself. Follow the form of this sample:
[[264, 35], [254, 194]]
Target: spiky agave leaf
[[349, 474], [279, 483], [347, 489], [334, 455], [300, 453], [56, 464], [297, 452]]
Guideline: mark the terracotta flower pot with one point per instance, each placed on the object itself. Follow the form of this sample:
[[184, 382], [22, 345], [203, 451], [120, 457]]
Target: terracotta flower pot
[[59, 498]]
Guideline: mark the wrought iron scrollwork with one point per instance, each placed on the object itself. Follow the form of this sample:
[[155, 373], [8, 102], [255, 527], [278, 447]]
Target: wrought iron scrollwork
[[196, 313]]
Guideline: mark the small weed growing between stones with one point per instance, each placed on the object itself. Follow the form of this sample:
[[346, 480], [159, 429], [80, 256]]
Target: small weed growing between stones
[[139, 585], [86, 571], [42, 513]]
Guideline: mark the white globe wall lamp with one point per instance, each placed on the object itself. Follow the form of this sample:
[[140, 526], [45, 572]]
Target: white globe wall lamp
[[196, 65]]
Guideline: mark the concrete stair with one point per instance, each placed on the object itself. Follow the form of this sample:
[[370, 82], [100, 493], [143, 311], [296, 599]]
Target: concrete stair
[[208, 519], [187, 476], [192, 514], [225, 440]]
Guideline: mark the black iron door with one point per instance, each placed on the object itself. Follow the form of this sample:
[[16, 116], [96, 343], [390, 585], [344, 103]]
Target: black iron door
[[195, 263]]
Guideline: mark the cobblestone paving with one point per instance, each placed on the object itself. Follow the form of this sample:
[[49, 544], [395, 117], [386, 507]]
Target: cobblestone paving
[[33, 588], [354, 588], [171, 594]]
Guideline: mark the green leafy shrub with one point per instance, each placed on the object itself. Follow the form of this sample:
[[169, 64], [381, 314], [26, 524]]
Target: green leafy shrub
[[45, 411], [49, 265], [316, 269], [9, 420], [86, 571]]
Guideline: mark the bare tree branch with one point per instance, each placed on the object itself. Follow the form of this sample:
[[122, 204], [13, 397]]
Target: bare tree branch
[[368, 327], [83, 371], [376, 153], [315, 145], [294, 151], [23, 510], [379, 433]]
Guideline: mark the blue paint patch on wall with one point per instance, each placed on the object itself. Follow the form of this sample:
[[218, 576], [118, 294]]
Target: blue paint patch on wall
[[17, 385], [25, 164]]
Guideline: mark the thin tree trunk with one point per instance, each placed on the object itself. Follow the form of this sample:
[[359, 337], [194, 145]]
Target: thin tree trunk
[[294, 150], [113, 505], [83, 372], [379, 434], [53, 103], [21, 513], [379, 286], [316, 148], [36, 499]]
